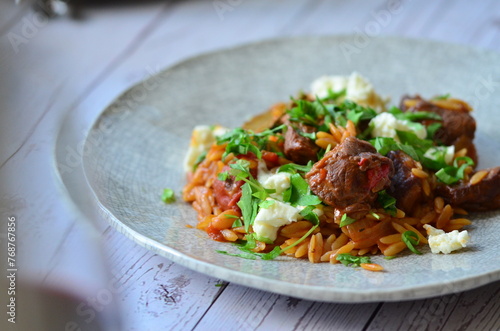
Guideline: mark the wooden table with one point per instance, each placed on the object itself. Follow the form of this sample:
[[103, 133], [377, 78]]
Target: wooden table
[[52, 71]]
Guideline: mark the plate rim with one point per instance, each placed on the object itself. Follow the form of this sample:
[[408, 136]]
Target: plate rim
[[309, 292]]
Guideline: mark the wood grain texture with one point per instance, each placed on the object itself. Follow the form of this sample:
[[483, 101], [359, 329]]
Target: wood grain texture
[[248, 309], [79, 67]]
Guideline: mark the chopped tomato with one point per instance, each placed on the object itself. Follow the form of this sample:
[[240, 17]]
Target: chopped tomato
[[272, 159]]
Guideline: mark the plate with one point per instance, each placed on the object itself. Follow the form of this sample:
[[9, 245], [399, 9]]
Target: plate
[[136, 147]]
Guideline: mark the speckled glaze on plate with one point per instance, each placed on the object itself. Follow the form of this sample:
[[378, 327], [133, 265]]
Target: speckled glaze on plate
[[136, 147]]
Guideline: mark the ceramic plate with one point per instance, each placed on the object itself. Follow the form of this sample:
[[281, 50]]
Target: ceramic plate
[[136, 147]]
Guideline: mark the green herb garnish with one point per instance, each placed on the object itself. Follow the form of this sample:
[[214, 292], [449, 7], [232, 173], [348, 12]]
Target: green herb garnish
[[168, 196], [442, 97], [240, 141], [452, 174], [387, 202], [411, 239], [346, 220], [355, 261], [293, 168], [199, 159]]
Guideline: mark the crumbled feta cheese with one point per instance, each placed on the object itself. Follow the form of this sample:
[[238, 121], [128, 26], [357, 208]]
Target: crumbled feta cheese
[[439, 241], [386, 124], [202, 138], [270, 219], [272, 180], [441, 152], [357, 88]]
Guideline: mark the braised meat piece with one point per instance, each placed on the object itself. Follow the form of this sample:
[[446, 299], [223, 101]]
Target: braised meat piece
[[349, 177], [405, 187], [458, 126], [481, 196], [298, 148]]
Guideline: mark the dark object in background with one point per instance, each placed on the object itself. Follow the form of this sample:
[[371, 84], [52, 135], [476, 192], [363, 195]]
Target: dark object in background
[[75, 8]]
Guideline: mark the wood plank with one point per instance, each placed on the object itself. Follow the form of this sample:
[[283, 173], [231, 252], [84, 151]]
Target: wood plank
[[153, 292], [477, 309], [242, 308]]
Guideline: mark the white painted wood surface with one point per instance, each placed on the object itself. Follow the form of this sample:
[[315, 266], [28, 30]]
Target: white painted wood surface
[[53, 70]]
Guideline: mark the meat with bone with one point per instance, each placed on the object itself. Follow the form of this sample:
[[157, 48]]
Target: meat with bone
[[349, 177]]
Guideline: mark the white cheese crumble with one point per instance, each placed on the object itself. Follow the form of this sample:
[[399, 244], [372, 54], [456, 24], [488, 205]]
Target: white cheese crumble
[[441, 152], [270, 219], [272, 180], [386, 124], [202, 138], [357, 88], [442, 242]]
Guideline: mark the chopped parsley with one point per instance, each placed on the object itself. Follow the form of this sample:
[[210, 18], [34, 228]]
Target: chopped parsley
[[354, 261], [168, 195], [387, 202], [411, 239], [414, 116], [199, 159], [299, 193], [346, 220], [240, 141], [442, 97], [334, 96], [293, 168]]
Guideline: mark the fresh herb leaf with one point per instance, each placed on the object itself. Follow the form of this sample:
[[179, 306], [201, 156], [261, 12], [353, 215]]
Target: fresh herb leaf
[[299, 192], [240, 141], [387, 202], [308, 135], [237, 223], [333, 96], [347, 259], [432, 129], [309, 214], [267, 203], [293, 168], [246, 205], [244, 255], [452, 174], [168, 196], [308, 200], [199, 159], [311, 230], [414, 116], [223, 176], [272, 254], [410, 138], [384, 145], [346, 220], [442, 97], [411, 239]]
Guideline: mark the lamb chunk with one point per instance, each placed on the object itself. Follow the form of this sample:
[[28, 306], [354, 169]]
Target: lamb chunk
[[298, 148], [349, 177], [482, 196], [405, 187], [458, 126]]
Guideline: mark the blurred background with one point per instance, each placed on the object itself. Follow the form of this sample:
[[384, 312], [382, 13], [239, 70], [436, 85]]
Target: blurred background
[[62, 62]]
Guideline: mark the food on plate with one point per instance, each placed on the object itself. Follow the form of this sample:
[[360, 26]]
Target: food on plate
[[337, 176]]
